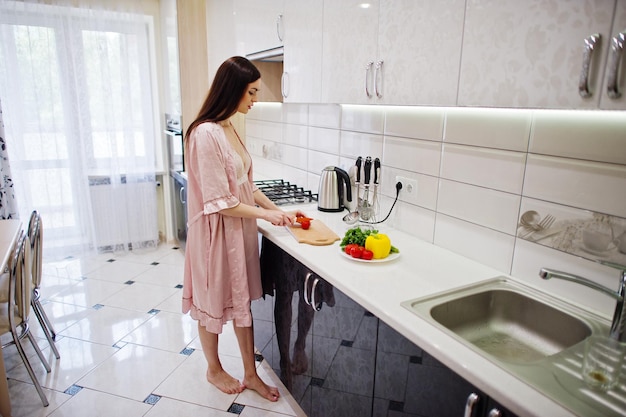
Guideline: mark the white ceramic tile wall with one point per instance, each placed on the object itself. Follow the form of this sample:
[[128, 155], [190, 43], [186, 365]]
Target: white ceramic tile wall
[[477, 170]]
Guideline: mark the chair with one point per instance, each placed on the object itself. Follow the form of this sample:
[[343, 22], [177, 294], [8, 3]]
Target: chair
[[35, 235], [14, 313]]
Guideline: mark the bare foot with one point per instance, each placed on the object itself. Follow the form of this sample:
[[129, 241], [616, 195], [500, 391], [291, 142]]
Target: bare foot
[[224, 382], [264, 390]]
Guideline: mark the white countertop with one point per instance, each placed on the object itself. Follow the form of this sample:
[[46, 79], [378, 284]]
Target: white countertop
[[421, 269]]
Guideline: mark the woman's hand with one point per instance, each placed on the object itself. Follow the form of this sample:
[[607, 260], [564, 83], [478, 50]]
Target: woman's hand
[[279, 217], [283, 218]]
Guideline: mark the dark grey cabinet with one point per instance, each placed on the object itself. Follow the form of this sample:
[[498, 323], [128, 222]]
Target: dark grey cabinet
[[323, 345], [339, 360]]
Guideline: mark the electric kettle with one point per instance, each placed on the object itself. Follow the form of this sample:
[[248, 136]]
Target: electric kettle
[[333, 182]]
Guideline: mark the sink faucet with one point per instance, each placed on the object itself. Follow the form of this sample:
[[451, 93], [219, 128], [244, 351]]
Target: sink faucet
[[618, 326]]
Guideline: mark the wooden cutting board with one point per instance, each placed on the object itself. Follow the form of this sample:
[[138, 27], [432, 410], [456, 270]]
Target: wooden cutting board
[[318, 234]]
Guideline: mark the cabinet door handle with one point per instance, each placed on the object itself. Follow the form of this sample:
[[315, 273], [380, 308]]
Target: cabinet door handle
[[279, 27], [617, 50], [494, 412], [583, 81], [181, 193], [284, 84], [313, 302], [368, 73], [378, 75], [470, 404], [307, 299]]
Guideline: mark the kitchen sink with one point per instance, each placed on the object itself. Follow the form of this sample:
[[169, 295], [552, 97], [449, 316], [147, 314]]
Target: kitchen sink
[[510, 325], [505, 320], [536, 337]]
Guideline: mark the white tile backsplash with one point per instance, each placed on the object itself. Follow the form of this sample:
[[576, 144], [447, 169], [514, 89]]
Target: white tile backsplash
[[415, 122], [325, 115], [490, 208], [477, 170], [296, 113], [412, 155], [354, 144], [491, 168], [493, 128], [594, 136], [296, 135], [476, 242], [324, 140], [588, 185], [369, 119]]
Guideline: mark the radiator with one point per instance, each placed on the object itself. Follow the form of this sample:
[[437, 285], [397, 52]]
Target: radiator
[[123, 214]]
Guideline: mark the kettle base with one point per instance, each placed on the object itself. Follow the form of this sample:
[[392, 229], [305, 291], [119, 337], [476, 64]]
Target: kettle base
[[330, 210]]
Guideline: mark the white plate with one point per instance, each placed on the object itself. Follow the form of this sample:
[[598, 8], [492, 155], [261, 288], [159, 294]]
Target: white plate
[[391, 257]]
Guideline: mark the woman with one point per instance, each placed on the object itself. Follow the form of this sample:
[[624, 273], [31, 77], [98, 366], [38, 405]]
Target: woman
[[222, 272]]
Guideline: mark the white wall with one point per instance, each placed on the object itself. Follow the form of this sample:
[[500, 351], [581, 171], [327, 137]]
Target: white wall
[[477, 169]]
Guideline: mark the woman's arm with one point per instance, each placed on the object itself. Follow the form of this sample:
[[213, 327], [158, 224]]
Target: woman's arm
[[267, 210]]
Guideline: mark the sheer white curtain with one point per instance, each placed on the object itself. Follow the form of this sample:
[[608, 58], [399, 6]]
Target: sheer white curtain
[[78, 87]]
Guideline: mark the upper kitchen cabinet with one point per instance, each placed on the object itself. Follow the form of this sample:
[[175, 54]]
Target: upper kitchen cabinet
[[613, 94], [259, 25], [400, 52], [302, 77], [536, 53], [350, 45], [420, 43]]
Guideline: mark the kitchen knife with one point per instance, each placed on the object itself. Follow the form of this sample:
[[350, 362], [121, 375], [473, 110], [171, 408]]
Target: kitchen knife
[[376, 170], [367, 169]]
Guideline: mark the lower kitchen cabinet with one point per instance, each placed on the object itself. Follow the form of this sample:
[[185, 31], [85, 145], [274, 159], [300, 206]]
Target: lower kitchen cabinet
[[324, 344], [339, 360]]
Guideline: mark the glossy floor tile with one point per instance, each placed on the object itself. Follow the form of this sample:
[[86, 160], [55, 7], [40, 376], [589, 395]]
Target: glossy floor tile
[[126, 348]]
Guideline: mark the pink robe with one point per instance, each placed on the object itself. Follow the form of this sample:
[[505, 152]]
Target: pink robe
[[222, 270]]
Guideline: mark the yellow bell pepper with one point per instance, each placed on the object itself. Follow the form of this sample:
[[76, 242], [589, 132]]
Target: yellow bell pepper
[[379, 244]]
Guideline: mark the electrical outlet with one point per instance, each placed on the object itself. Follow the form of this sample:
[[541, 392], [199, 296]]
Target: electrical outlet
[[409, 186], [408, 192]]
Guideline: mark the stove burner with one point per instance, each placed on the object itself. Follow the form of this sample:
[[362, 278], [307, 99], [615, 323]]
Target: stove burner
[[283, 192]]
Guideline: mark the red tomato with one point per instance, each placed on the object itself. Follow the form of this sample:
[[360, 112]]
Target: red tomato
[[305, 224], [356, 252], [367, 254], [349, 247]]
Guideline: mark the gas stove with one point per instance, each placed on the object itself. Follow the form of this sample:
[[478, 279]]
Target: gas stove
[[282, 192]]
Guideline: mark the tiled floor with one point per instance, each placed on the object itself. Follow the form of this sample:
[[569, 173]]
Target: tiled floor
[[126, 349]]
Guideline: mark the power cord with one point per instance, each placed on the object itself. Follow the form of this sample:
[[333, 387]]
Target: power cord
[[398, 188]]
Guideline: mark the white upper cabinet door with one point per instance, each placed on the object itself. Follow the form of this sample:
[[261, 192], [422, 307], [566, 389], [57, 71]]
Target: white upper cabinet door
[[530, 53], [350, 37], [615, 75], [420, 43], [259, 25], [302, 66]]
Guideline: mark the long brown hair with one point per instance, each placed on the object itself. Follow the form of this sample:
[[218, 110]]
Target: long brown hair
[[228, 87]]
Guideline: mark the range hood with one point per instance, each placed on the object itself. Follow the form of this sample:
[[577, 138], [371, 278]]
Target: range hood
[[268, 55]]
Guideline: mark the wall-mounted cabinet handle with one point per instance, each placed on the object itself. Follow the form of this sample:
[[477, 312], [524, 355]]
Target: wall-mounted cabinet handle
[[307, 299], [378, 79], [583, 81], [313, 302], [617, 50], [181, 194], [470, 404], [279, 27], [368, 74], [284, 84], [494, 412]]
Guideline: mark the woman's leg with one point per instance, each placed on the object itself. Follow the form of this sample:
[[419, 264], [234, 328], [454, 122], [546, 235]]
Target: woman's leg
[[215, 374], [245, 337]]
